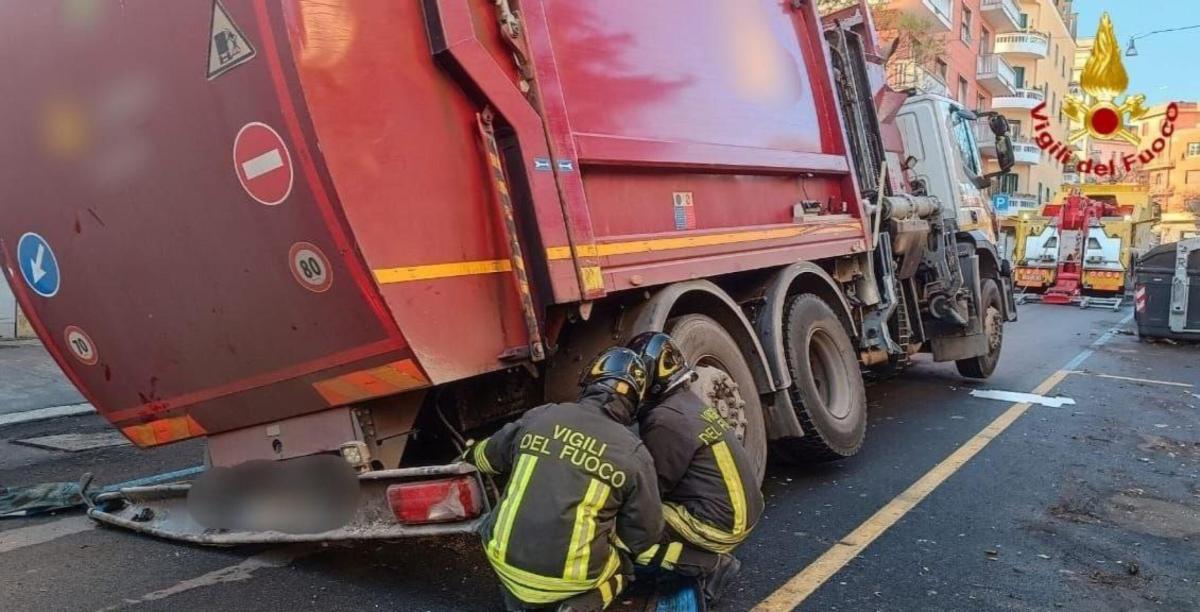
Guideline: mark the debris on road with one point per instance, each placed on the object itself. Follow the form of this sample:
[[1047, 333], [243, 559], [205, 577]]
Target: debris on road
[[1023, 398]]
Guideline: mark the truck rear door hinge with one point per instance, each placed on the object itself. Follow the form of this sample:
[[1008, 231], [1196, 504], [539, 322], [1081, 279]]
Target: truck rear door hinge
[[510, 26]]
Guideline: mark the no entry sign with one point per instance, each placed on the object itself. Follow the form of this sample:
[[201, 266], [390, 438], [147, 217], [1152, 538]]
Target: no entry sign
[[262, 163]]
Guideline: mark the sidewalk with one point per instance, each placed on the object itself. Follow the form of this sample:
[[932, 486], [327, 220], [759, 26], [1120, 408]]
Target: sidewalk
[[30, 380]]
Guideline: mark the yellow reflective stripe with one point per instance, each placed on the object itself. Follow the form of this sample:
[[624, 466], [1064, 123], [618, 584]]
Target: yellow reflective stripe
[[733, 484], [606, 594], [512, 502], [535, 589], [576, 567], [674, 549], [481, 460], [648, 556], [698, 532]]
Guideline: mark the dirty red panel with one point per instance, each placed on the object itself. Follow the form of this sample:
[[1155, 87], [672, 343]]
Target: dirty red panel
[[196, 271]]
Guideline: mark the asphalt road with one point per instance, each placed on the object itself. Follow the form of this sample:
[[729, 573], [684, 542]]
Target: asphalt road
[[1093, 506]]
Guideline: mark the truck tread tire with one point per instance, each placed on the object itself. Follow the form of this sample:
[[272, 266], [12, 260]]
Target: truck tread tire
[[830, 401], [705, 342], [983, 366]]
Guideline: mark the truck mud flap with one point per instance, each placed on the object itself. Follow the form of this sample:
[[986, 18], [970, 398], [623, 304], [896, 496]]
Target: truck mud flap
[[162, 511]]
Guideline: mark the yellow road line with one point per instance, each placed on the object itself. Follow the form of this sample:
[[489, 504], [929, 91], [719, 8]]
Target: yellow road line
[[1137, 380], [804, 584], [388, 276]]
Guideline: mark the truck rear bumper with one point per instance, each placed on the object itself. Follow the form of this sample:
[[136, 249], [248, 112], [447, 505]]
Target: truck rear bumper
[[162, 511]]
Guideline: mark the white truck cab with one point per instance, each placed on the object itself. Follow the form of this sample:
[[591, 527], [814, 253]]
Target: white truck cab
[[939, 136]]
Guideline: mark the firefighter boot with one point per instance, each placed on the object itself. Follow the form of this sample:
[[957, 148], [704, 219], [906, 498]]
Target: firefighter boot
[[721, 576]]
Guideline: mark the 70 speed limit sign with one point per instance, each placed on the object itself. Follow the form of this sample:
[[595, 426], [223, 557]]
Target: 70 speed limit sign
[[310, 267]]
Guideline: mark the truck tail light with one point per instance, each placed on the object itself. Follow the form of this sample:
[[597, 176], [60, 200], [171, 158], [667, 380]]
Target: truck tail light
[[436, 501]]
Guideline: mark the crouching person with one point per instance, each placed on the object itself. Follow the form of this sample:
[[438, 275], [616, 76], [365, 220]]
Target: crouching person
[[711, 498], [580, 480]]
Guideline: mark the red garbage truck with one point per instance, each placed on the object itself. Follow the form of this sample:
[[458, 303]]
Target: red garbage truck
[[375, 229]]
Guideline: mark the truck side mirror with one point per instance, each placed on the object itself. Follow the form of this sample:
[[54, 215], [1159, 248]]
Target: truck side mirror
[[999, 125], [1004, 150]]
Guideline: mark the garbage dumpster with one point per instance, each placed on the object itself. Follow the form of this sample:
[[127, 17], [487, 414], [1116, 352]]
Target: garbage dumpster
[[1167, 291]]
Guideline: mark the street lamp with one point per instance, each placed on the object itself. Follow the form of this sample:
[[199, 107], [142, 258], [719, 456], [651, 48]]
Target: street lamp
[[1132, 50]]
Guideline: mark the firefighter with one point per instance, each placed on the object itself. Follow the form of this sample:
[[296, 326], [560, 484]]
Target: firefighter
[[581, 495], [710, 497]]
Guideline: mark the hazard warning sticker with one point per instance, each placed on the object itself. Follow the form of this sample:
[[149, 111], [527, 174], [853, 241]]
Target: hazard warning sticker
[[228, 48]]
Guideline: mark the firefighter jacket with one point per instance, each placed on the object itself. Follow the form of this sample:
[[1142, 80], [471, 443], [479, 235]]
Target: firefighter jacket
[[710, 495], [581, 483]]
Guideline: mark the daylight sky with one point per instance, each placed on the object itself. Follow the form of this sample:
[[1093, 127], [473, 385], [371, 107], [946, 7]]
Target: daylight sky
[[1167, 66]]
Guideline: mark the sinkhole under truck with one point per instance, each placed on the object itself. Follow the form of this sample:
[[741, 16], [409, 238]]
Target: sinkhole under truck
[[374, 229]]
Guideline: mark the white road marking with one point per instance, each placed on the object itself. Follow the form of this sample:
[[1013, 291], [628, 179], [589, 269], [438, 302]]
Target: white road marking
[[15, 539], [42, 414], [1026, 398], [1138, 380], [258, 166], [280, 557]]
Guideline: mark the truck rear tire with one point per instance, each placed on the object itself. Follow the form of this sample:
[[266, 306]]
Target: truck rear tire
[[827, 385], [993, 325], [705, 343]]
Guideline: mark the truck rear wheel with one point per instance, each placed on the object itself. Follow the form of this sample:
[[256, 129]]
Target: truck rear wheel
[[705, 343], [993, 326], [827, 385]]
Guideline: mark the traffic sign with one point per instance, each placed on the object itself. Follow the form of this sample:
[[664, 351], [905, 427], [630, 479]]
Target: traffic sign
[[39, 266], [81, 345], [310, 267], [1000, 202], [262, 163]]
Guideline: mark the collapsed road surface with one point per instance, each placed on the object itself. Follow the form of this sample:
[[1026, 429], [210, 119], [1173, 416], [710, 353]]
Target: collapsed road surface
[[959, 503]]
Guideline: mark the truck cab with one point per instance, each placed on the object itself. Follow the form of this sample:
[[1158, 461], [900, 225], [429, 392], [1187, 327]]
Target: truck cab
[[939, 138]]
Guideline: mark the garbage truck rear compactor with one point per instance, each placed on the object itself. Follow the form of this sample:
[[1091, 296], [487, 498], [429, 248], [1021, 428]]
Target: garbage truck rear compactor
[[371, 230]]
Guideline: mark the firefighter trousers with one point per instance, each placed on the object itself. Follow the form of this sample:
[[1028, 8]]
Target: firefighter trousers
[[594, 600]]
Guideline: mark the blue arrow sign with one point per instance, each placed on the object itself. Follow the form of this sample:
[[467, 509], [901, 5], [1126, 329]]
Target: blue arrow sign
[[38, 264]]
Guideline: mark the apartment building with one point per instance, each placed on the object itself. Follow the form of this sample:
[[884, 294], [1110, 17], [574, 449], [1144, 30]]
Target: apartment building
[[1174, 175], [1002, 55], [946, 47], [1041, 52]]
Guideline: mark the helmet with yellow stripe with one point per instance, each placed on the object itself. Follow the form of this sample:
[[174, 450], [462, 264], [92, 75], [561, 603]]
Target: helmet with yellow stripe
[[621, 371], [665, 361]]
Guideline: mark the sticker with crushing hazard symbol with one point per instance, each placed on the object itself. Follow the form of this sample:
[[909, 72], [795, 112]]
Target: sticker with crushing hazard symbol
[[310, 267], [228, 48]]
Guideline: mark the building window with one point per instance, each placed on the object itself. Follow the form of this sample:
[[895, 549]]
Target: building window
[[980, 103], [1024, 21], [985, 41], [1014, 127], [962, 91], [1193, 149], [1158, 177], [1193, 177], [1039, 194], [942, 68], [1019, 77], [964, 30]]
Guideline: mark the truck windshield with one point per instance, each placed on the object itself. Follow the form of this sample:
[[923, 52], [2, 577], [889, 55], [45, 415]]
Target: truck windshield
[[964, 140]]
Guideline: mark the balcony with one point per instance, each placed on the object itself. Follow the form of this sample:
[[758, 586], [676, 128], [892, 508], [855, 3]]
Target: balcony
[[1025, 45], [995, 75], [903, 76], [1026, 152], [1021, 99], [937, 12], [1003, 15]]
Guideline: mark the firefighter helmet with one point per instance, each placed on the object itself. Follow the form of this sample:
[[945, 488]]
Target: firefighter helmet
[[621, 371], [665, 361]]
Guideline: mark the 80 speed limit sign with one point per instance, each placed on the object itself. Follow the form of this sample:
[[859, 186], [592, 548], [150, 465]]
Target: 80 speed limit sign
[[310, 267]]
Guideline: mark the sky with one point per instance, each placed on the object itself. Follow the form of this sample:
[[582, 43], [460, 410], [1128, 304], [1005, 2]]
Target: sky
[[1165, 68]]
